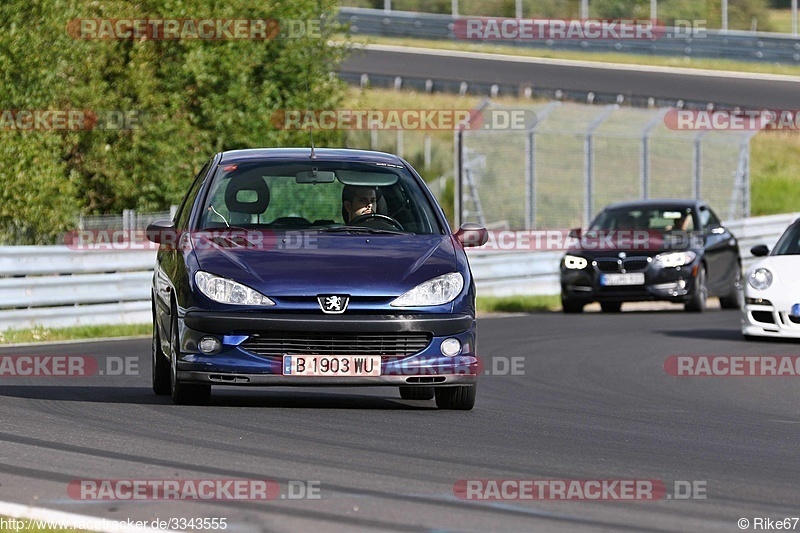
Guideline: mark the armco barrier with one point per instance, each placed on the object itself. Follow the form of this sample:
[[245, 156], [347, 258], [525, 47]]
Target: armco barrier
[[735, 45], [56, 286]]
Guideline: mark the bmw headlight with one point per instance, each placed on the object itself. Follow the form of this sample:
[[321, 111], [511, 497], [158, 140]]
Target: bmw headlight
[[675, 259], [573, 262], [227, 291], [436, 291], [760, 279]]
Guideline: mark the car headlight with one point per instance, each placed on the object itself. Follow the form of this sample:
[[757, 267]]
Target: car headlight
[[436, 291], [675, 259], [227, 291], [760, 279], [573, 262]]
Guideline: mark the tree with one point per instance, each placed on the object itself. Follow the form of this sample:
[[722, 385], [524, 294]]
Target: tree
[[177, 102]]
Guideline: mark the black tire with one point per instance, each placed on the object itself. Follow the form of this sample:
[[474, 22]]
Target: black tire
[[697, 304], [184, 393], [611, 307], [461, 397], [159, 365], [416, 393], [733, 300], [751, 338], [570, 306]]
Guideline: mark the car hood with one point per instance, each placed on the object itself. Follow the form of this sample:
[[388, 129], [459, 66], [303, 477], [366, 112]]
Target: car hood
[[309, 263], [784, 270]]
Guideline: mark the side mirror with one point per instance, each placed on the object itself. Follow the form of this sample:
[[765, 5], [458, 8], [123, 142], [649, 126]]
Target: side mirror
[[472, 235], [760, 250], [161, 232], [575, 233]]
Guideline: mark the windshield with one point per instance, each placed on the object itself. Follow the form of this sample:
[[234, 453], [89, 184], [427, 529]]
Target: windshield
[[789, 243], [316, 195], [661, 218]]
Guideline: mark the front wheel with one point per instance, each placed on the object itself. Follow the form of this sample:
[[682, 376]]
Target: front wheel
[[570, 306], [697, 303], [461, 397], [732, 300], [184, 393], [159, 365]]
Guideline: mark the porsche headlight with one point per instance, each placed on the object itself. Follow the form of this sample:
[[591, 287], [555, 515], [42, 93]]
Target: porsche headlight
[[227, 291], [760, 279], [573, 262], [675, 259], [436, 291]]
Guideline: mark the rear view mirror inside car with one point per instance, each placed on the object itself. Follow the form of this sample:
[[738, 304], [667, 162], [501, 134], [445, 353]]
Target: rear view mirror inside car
[[315, 176]]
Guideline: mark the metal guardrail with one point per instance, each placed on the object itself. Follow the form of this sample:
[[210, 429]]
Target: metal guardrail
[[735, 45], [56, 286]]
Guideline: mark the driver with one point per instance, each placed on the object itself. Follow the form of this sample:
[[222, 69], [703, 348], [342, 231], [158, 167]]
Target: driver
[[358, 201]]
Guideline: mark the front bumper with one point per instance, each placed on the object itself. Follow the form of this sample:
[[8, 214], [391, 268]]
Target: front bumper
[[769, 315], [237, 362], [673, 284]]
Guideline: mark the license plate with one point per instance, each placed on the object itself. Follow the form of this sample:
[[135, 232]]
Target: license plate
[[635, 278], [332, 366]]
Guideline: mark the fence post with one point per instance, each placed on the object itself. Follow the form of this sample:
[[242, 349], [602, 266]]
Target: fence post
[[648, 129], [697, 166], [588, 163], [530, 180]]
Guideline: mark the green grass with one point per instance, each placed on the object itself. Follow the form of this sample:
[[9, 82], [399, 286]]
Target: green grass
[[42, 334], [781, 20], [518, 304], [775, 170], [606, 57]]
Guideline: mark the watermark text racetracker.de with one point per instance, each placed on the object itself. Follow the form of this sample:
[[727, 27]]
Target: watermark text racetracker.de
[[733, 120], [81, 523], [732, 365], [66, 366], [69, 120], [404, 119], [579, 489], [192, 489], [206, 29]]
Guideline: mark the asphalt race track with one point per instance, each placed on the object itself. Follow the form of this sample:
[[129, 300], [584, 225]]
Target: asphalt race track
[[589, 400], [756, 91]]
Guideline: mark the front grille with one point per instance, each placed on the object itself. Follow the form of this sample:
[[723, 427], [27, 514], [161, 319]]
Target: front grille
[[299, 343], [635, 265], [608, 265], [763, 316]]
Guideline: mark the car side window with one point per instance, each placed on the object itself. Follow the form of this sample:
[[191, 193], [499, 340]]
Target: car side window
[[708, 219], [185, 210]]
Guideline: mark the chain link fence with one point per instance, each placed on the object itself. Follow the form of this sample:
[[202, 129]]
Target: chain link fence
[[571, 160]]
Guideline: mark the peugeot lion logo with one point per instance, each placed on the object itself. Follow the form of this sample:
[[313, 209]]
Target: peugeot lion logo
[[333, 303]]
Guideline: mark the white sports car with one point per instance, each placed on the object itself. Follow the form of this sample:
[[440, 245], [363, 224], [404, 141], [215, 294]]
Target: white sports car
[[772, 292]]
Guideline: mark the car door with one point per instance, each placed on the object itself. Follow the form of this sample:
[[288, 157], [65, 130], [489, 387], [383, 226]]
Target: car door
[[721, 251]]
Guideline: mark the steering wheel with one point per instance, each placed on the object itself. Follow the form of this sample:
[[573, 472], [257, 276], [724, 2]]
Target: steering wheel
[[379, 218]]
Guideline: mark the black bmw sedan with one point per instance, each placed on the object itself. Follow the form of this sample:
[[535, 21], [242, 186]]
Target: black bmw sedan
[[670, 250]]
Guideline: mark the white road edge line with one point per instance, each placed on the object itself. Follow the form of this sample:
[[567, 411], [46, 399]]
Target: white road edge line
[[16, 510], [577, 63]]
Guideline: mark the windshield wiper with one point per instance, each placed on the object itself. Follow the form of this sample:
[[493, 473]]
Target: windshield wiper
[[360, 229]]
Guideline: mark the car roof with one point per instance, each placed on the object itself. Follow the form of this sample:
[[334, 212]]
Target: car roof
[[656, 202], [301, 154]]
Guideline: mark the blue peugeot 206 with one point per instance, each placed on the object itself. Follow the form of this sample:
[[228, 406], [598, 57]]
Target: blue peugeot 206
[[313, 268]]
